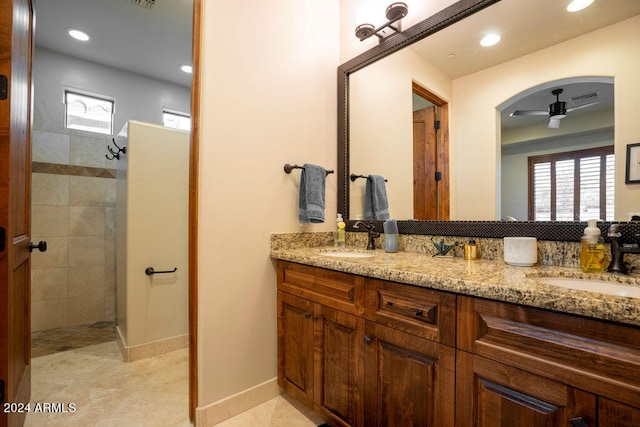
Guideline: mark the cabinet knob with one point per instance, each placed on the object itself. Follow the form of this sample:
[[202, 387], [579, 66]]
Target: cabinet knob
[[578, 422], [307, 316], [367, 340]]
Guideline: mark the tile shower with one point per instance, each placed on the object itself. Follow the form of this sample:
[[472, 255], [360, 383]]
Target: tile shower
[[73, 209]]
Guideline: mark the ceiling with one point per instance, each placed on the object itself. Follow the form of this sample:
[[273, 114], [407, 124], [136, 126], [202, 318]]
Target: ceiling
[[153, 41]]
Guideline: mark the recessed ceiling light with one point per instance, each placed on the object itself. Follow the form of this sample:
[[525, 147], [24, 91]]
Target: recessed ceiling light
[[78, 35], [490, 40], [187, 68], [577, 5]]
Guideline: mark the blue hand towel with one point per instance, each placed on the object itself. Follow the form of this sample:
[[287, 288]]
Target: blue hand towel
[[376, 205], [312, 189]]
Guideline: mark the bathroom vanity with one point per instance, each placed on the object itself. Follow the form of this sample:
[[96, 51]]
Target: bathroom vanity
[[407, 339]]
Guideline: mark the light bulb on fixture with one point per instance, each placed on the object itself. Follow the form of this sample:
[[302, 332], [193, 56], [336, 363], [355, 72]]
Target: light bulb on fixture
[[394, 13]]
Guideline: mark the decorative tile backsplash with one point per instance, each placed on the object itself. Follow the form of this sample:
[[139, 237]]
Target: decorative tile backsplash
[[552, 253]]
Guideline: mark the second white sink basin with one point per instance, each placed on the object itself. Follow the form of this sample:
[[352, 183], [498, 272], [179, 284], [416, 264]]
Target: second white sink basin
[[599, 286]]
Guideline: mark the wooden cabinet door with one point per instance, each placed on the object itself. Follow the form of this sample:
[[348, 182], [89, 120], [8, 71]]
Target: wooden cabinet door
[[338, 367], [295, 347], [616, 414], [409, 381], [490, 394]]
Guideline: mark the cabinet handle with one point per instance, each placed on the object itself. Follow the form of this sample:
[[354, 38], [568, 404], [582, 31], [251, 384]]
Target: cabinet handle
[[307, 316], [367, 340], [578, 422], [415, 313]]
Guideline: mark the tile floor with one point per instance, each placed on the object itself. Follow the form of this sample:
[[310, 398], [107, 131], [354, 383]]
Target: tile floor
[[109, 392]]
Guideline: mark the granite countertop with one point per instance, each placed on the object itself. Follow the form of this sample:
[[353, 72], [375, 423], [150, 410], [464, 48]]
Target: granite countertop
[[481, 278]]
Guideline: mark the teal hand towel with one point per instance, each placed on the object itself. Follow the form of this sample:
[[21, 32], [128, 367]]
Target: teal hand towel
[[312, 194]]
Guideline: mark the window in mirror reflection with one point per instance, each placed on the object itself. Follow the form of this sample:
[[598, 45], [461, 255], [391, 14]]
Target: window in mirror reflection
[[572, 186]]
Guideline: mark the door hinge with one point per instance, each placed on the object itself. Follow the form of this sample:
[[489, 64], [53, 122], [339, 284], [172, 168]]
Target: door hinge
[[436, 124], [4, 87], [2, 239], [438, 176]]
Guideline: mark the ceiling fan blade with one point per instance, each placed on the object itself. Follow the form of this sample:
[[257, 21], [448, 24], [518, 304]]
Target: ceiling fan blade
[[554, 123], [583, 106], [529, 113]]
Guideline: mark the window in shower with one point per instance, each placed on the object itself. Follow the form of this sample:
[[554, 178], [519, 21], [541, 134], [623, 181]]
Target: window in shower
[[88, 112], [176, 120]]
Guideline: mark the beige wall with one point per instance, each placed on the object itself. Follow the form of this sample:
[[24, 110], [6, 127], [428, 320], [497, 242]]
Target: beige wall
[[268, 98], [609, 52]]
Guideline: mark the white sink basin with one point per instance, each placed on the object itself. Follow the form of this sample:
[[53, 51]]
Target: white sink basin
[[599, 286], [347, 254]]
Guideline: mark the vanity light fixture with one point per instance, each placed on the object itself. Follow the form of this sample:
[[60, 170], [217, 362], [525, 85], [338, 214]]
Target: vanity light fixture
[[490, 40], [186, 68], [395, 12], [78, 34], [577, 5]]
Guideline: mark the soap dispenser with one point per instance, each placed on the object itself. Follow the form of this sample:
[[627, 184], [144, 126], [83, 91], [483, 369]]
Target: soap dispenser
[[592, 249], [340, 238]]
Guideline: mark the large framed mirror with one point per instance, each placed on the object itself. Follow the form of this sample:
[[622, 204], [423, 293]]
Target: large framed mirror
[[482, 92]]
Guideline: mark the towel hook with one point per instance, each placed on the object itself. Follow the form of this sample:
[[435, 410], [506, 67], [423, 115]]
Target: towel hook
[[288, 168], [115, 154]]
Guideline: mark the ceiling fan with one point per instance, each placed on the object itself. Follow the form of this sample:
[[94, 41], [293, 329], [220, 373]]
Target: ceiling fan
[[557, 110]]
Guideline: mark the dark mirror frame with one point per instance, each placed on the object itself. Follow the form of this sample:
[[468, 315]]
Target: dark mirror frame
[[558, 231]]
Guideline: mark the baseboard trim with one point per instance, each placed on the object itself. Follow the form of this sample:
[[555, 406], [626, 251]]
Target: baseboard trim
[[154, 348], [231, 406]]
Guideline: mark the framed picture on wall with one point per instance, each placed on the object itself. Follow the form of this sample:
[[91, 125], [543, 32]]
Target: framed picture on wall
[[633, 164]]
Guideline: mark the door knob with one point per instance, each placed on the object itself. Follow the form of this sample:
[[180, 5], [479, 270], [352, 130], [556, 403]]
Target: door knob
[[41, 246]]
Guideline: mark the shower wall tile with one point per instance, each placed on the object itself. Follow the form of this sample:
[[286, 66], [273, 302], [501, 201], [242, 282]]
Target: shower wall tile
[[49, 147], [50, 221], [86, 309], [49, 284], [85, 251], [110, 279], [110, 189], [49, 314], [86, 221], [56, 256], [86, 280], [48, 189], [86, 191], [110, 222], [88, 151]]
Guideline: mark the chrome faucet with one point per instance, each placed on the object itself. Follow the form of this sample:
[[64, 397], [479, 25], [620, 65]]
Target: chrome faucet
[[371, 232], [618, 249]]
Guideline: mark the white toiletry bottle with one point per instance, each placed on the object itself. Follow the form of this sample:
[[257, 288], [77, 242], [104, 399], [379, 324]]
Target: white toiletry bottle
[[340, 239], [592, 249]]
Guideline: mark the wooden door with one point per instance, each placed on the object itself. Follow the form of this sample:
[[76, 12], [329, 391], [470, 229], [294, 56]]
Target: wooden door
[[295, 347], [16, 20], [431, 163], [409, 381], [338, 367], [491, 394], [425, 196]]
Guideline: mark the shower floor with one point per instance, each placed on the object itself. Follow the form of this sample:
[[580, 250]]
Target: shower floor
[[71, 338]]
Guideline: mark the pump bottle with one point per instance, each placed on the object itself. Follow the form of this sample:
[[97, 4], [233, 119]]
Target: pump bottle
[[592, 249], [340, 238]]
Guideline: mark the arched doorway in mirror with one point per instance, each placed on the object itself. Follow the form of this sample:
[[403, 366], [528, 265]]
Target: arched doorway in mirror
[[557, 151], [430, 155]]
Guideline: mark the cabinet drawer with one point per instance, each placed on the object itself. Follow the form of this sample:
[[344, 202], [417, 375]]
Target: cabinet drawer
[[334, 289], [593, 355], [423, 312]]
